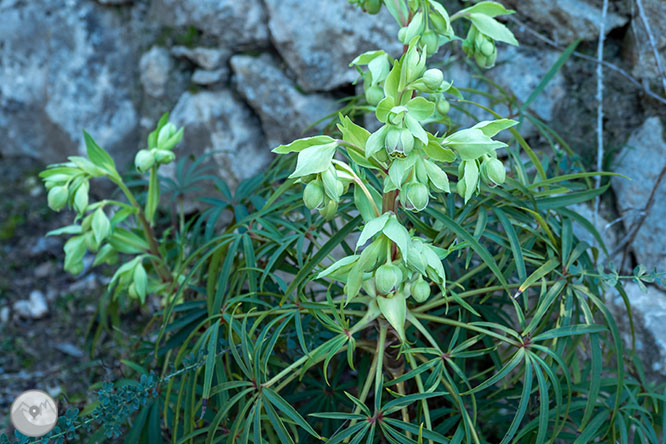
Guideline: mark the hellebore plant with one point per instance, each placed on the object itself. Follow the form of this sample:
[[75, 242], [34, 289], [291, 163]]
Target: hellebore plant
[[68, 184], [400, 285], [409, 160]]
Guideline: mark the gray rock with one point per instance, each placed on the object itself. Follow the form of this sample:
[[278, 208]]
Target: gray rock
[[116, 2], [65, 66], [205, 78], [649, 316], [219, 124], [69, 349], [318, 38], [641, 52], [510, 73], [87, 284], [642, 160], [50, 245], [154, 66], [33, 308], [206, 58], [234, 23], [567, 20], [44, 269], [285, 112], [4, 315]]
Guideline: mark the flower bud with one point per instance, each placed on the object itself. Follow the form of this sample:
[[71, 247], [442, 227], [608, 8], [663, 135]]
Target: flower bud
[[374, 95], [416, 196], [431, 42], [57, 197], [402, 34], [163, 156], [493, 172], [443, 106], [399, 142], [461, 188], [413, 64], [372, 6], [420, 290], [487, 47], [81, 197], [433, 78], [333, 188], [313, 195], [144, 160], [388, 278], [439, 24], [91, 243], [329, 211], [131, 290], [165, 133]]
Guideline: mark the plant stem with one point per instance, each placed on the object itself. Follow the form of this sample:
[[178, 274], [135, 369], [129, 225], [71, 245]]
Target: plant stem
[[424, 402], [383, 328], [160, 266]]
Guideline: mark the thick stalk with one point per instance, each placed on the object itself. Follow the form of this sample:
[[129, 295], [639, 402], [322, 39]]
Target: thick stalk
[[383, 328], [159, 264]]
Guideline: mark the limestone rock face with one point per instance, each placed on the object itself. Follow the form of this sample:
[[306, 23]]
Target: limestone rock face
[[567, 20], [519, 71], [154, 66], [642, 54], [319, 38], [642, 160], [65, 66], [649, 315], [285, 112], [233, 23], [218, 124]]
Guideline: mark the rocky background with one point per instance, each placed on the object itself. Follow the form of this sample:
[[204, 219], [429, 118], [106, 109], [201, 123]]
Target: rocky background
[[244, 76]]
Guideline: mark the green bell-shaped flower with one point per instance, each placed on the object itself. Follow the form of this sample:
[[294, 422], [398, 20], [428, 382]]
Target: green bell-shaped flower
[[461, 188], [443, 106], [433, 78], [481, 47], [165, 133], [372, 6], [420, 290], [313, 195], [374, 95], [493, 172], [430, 42], [144, 160], [163, 156], [399, 142], [329, 210], [57, 197], [388, 278], [415, 196]]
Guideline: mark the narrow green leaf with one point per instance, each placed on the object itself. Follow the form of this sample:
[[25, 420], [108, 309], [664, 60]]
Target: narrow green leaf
[[288, 410], [522, 405], [514, 242]]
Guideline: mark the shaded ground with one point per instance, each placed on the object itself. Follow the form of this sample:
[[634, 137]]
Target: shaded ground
[[51, 352]]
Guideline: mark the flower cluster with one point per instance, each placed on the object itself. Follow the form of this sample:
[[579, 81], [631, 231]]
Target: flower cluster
[[413, 163], [100, 229]]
